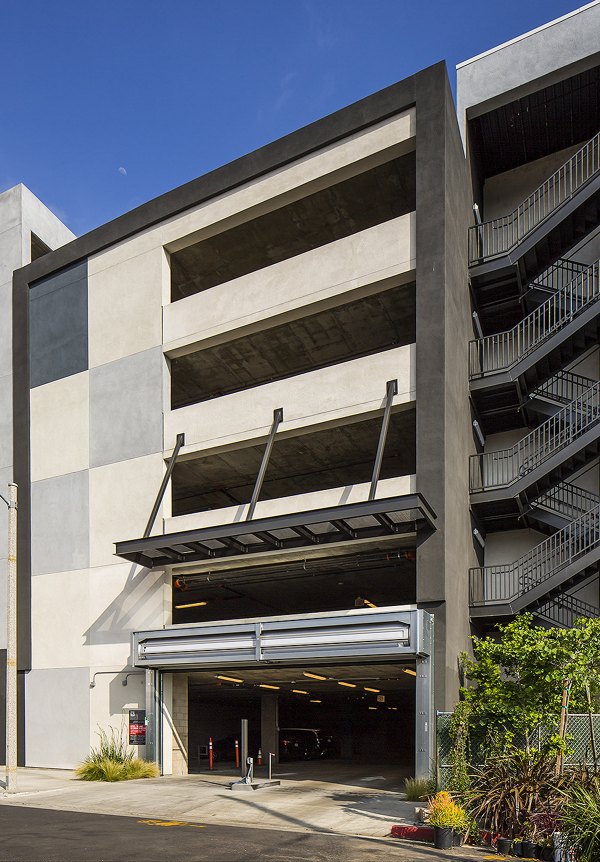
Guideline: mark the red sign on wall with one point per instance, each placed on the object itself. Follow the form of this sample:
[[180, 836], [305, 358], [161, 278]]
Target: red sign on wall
[[137, 726]]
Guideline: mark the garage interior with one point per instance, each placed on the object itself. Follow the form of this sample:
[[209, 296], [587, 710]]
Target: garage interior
[[333, 583], [369, 198], [328, 458], [367, 325], [367, 711]]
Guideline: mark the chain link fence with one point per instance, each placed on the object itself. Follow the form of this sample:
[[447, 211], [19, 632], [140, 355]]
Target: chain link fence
[[579, 743]]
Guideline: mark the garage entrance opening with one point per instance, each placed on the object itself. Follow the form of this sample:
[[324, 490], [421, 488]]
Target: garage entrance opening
[[319, 716]]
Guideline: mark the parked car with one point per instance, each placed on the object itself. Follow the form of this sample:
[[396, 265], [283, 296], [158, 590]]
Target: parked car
[[306, 743]]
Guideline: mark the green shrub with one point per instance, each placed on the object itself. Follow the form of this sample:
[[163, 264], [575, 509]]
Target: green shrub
[[580, 820], [418, 788], [113, 761]]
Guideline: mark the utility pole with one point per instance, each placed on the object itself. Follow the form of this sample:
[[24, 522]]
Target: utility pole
[[11, 642]]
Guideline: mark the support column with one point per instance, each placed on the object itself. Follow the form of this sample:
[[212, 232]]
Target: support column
[[179, 715], [153, 750], [269, 726], [424, 719]]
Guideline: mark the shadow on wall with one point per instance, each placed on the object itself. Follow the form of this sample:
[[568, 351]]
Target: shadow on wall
[[129, 611]]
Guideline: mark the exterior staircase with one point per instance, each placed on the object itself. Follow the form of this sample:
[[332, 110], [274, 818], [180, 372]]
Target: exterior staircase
[[509, 252], [567, 558], [562, 611], [505, 367]]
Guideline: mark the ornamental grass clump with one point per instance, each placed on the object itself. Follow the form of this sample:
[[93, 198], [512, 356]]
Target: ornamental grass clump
[[113, 761], [580, 820], [418, 788]]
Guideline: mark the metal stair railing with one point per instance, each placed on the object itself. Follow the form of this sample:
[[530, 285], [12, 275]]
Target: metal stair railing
[[505, 583], [498, 236], [565, 609], [499, 352], [489, 470], [563, 388], [567, 500], [558, 275]]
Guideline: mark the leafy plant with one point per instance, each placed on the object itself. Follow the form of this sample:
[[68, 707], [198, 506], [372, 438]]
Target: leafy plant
[[112, 760], [510, 789], [458, 779], [580, 820], [418, 788], [516, 680], [447, 814]]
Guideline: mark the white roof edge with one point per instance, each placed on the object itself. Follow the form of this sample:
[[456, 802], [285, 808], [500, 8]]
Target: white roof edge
[[529, 33]]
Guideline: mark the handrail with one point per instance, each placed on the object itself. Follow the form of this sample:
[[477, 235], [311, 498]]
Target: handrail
[[564, 610], [558, 275], [501, 351], [501, 469], [563, 388], [504, 583], [498, 236], [567, 500]]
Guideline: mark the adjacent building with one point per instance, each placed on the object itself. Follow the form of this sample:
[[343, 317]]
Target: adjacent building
[[286, 436]]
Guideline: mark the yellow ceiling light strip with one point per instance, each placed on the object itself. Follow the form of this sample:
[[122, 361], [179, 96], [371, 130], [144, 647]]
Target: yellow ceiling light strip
[[229, 678], [313, 675], [192, 605]]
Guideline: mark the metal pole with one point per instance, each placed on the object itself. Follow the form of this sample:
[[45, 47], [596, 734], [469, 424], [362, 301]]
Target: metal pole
[[277, 420], [244, 736], [180, 441], [11, 644], [391, 389]]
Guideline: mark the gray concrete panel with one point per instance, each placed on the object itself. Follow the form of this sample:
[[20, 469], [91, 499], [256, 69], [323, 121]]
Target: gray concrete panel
[[58, 321], [6, 436], [58, 716], [533, 55], [126, 408], [60, 524], [6, 328]]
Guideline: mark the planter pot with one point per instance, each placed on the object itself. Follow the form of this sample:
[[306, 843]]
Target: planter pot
[[547, 854], [442, 837], [457, 838], [529, 850], [518, 848], [561, 850], [503, 846]]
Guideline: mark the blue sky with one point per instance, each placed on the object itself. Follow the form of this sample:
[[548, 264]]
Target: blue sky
[[108, 103]]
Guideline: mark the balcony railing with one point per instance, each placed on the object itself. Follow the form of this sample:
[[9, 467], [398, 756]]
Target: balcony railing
[[563, 388], [500, 469], [505, 583], [564, 610], [568, 500], [500, 352], [493, 238]]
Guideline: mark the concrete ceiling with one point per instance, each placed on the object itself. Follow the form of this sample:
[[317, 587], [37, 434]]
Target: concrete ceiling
[[330, 458], [372, 197], [304, 586], [554, 118], [386, 677], [367, 325]]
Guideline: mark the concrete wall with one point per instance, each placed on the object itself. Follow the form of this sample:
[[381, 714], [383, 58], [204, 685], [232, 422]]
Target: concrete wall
[[504, 192], [488, 77]]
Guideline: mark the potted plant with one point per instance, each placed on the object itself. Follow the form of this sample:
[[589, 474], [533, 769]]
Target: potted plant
[[503, 845], [447, 819], [529, 845]]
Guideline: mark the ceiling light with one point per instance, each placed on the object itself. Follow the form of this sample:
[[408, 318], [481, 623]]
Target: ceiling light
[[229, 678], [313, 675], [392, 707], [347, 684], [375, 690], [192, 605], [298, 691], [316, 701], [264, 685], [410, 671], [359, 602], [372, 707]]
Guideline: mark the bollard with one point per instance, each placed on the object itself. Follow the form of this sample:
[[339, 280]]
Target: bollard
[[237, 754], [210, 753], [259, 758], [271, 756]]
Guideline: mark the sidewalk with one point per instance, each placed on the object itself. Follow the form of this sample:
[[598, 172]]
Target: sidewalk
[[303, 804]]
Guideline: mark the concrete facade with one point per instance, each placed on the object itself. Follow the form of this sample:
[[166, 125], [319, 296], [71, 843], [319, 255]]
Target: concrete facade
[[123, 330]]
